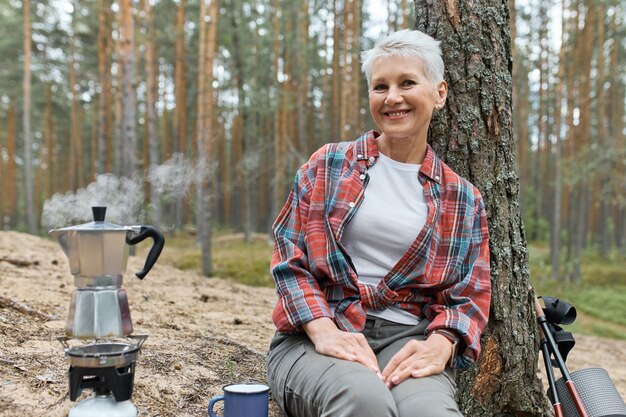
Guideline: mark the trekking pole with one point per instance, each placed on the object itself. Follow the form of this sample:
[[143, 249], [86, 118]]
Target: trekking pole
[[551, 344], [556, 403]]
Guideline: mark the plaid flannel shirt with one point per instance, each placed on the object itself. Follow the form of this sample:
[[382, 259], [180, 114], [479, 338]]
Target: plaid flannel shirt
[[444, 276]]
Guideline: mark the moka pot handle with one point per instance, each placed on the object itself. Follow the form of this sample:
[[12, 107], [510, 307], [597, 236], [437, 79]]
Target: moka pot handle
[[157, 246]]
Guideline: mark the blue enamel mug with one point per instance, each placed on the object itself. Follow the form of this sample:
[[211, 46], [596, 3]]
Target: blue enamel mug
[[242, 400]]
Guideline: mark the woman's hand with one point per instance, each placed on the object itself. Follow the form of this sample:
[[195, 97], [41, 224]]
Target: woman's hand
[[331, 341], [418, 358]]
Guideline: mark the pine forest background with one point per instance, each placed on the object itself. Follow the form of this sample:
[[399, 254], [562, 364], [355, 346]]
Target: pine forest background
[[185, 112]]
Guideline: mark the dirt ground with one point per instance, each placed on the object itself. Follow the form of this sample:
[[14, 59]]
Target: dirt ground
[[203, 333]]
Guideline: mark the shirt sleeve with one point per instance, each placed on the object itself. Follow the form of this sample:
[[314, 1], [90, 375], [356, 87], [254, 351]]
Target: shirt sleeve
[[300, 298], [464, 306]]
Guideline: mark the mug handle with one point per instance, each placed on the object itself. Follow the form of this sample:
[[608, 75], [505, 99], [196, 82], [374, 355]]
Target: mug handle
[[212, 405]]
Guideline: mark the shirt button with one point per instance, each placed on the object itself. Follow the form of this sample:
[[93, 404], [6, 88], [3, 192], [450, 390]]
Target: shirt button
[[360, 156], [362, 176], [371, 159], [352, 204], [436, 177]]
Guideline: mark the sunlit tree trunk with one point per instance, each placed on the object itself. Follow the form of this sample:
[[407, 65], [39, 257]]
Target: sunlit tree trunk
[[151, 116], [279, 157], [616, 127], [604, 146], [335, 99], [10, 213], [584, 140], [204, 127], [76, 164], [31, 221], [555, 231], [180, 111], [129, 104], [248, 157], [474, 135], [104, 73]]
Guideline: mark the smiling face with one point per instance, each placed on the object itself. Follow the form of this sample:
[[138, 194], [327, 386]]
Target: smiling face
[[402, 98]]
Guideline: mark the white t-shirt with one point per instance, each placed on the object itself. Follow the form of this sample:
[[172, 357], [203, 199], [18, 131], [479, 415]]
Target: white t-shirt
[[387, 222]]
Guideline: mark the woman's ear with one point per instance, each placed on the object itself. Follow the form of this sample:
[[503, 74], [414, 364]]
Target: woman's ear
[[442, 93]]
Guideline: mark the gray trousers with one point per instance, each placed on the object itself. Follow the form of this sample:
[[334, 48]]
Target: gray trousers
[[305, 383]]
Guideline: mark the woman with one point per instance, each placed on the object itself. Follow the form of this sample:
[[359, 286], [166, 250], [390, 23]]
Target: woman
[[381, 259]]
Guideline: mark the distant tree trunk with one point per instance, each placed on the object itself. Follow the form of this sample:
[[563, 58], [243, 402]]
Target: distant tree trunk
[[247, 154], [584, 140], [28, 159], [118, 137], [3, 173], [616, 127], [151, 116], [604, 142], [474, 135], [204, 129], [129, 146], [76, 168], [104, 73], [405, 16], [180, 111], [335, 99], [10, 213], [279, 157], [555, 231]]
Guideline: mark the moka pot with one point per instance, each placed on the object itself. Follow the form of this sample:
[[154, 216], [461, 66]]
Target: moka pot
[[98, 255]]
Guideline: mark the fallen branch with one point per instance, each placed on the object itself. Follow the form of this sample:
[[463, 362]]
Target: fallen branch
[[23, 308], [18, 262]]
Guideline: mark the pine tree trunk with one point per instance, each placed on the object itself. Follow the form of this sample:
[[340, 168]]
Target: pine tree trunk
[[207, 45], [583, 140], [10, 213], [180, 112], [104, 39], [604, 142], [555, 231], [247, 166], [31, 222], [151, 115], [474, 135], [76, 179], [129, 145]]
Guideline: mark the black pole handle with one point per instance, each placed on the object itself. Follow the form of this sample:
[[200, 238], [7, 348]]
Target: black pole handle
[[157, 246]]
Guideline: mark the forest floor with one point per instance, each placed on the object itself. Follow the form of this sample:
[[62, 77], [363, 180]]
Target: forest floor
[[203, 333]]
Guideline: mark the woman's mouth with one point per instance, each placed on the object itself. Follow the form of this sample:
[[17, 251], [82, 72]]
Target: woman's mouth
[[396, 114]]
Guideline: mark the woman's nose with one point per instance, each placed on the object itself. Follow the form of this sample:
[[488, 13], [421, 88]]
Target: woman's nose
[[394, 95]]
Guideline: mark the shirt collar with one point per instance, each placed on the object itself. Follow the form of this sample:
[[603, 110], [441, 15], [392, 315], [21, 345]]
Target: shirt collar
[[366, 149]]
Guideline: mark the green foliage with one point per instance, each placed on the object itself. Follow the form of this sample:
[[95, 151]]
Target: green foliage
[[599, 299], [245, 262]]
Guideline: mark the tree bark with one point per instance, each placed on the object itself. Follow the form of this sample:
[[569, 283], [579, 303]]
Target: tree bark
[[129, 146], [180, 112], [151, 116], [104, 73], [10, 212], [555, 231], [474, 135], [31, 222]]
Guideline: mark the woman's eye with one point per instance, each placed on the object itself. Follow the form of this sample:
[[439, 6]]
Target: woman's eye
[[408, 83], [379, 87]]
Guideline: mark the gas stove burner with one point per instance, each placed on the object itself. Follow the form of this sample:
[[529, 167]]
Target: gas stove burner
[[106, 368], [103, 355]]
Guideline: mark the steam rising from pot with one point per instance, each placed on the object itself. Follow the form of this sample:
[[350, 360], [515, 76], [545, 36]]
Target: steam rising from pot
[[123, 197]]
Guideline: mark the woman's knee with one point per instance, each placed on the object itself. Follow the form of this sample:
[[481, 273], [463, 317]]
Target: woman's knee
[[428, 404], [357, 395]]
